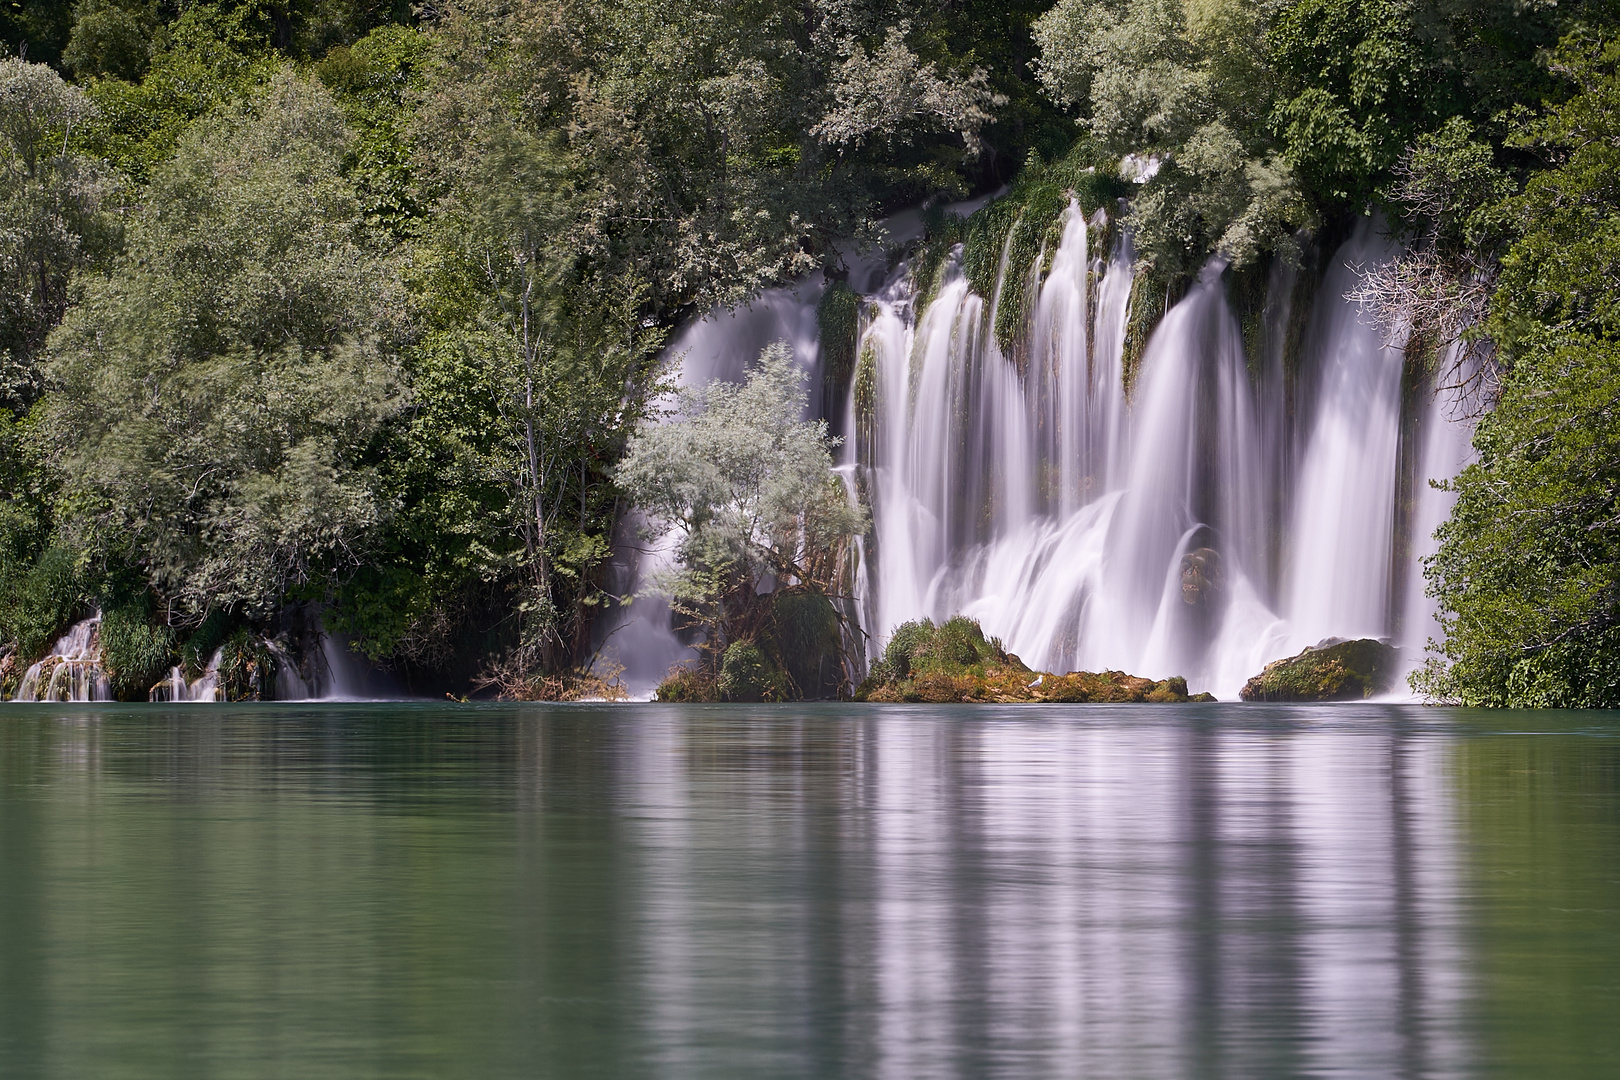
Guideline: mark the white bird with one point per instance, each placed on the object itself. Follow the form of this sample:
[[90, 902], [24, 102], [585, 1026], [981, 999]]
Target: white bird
[[1038, 680]]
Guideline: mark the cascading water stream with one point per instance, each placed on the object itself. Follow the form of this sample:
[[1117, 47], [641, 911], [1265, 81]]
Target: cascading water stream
[[203, 688], [1162, 531], [1343, 527], [1448, 429], [1194, 516], [71, 671]]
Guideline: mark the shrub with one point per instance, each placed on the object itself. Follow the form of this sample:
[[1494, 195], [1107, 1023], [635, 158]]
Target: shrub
[[746, 674], [40, 600], [135, 651], [687, 683]]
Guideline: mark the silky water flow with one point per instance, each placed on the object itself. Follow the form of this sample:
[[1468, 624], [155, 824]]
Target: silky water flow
[[1191, 517]]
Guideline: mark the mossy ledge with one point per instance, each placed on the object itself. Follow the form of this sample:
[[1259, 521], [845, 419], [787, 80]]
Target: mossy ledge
[[1331, 670], [955, 662]]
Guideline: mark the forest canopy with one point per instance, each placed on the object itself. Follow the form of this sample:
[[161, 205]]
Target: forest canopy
[[355, 307]]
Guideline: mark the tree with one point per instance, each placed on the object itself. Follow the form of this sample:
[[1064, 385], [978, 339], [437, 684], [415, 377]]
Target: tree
[[747, 486], [1528, 569], [1188, 85], [217, 388], [727, 146], [51, 216]]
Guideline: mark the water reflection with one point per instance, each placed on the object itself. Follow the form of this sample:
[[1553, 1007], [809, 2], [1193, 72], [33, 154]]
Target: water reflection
[[650, 891]]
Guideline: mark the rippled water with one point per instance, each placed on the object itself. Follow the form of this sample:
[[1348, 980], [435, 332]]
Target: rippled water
[[832, 891]]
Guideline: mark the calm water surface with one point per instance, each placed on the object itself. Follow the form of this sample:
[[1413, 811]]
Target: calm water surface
[[828, 891]]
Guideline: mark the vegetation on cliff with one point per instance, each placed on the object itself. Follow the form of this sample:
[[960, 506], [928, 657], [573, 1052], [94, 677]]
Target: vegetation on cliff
[[761, 527]]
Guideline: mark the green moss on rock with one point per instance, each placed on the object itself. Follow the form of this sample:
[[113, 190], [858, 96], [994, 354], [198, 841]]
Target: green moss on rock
[[955, 662], [1330, 671], [838, 323]]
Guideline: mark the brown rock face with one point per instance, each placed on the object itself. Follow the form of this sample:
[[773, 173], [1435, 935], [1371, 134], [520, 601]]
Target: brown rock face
[[1200, 576]]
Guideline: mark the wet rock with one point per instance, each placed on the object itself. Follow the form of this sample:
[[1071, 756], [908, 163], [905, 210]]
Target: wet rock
[[955, 662], [1331, 670], [1200, 576]]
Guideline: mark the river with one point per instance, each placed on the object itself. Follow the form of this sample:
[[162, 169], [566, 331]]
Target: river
[[419, 890]]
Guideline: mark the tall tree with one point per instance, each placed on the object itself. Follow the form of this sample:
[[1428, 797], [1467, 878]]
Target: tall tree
[[216, 389]]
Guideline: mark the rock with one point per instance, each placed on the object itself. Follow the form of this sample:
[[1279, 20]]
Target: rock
[[956, 663], [1331, 670], [1200, 576]]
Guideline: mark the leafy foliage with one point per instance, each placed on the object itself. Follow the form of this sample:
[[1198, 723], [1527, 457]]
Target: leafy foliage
[[1188, 86], [748, 489], [215, 388], [1528, 571]]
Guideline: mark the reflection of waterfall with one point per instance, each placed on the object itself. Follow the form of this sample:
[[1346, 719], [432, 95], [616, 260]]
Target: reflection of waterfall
[[1164, 530], [71, 671], [1047, 897]]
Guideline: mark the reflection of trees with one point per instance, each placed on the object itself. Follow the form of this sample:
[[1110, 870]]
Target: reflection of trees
[[806, 891], [1542, 825]]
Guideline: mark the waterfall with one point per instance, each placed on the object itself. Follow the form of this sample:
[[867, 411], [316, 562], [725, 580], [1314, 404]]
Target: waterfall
[[1343, 527], [203, 688], [71, 671], [1205, 511], [1201, 522], [1448, 430], [640, 639]]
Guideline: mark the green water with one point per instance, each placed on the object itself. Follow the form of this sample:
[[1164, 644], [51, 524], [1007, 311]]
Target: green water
[[659, 891]]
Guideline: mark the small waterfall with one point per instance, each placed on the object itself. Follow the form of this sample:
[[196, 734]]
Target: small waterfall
[[1343, 527], [720, 345], [290, 684], [1448, 432], [71, 671], [203, 688]]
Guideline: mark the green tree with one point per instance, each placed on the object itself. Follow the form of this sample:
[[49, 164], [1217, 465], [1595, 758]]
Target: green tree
[[216, 390], [1189, 86], [728, 146], [1528, 570], [747, 487], [51, 215]]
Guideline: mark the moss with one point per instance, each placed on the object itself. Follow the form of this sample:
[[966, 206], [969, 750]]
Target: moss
[[199, 647], [955, 662], [806, 642], [136, 650], [838, 324], [687, 683], [247, 670], [942, 233], [1022, 224], [1332, 671], [866, 390], [1153, 294]]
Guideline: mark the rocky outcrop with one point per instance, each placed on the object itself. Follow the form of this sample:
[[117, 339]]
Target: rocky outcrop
[[955, 662], [1331, 670]]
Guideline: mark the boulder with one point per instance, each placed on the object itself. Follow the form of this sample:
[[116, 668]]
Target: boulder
[[1200, 576], [955, 662], [1331, 670]]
